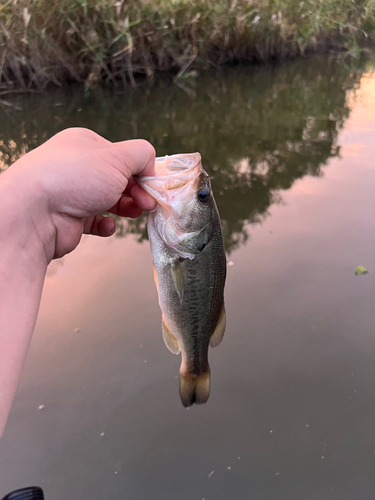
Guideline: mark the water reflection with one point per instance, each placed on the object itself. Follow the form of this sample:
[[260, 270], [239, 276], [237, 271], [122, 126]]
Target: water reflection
[[292, 407], [257, 131]]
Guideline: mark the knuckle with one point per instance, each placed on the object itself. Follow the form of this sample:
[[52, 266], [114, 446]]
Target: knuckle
[[148, 148], [77, 133]]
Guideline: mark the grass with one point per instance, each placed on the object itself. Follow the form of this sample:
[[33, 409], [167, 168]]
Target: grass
[[101, 41]]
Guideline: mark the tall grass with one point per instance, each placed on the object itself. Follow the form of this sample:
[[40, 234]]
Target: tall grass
[[91, 41]]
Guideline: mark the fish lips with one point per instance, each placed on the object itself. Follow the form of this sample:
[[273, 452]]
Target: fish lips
[[174, 175]]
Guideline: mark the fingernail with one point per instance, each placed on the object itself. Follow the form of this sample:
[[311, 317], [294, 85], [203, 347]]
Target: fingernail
[[111, 222], [114, 228]]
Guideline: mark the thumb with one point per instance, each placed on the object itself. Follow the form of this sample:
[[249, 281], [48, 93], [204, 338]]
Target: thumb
[[136, 157]]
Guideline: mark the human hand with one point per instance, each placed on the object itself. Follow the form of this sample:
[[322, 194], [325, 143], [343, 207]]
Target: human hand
[[74, 177]]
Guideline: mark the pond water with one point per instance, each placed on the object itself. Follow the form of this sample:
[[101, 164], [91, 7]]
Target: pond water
[[291, 414]]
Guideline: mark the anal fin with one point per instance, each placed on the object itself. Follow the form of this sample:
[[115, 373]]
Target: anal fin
[[170, 340], [218, 334], [155, 277]]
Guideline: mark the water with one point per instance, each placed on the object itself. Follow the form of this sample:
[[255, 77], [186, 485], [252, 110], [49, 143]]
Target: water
[[292, 406]]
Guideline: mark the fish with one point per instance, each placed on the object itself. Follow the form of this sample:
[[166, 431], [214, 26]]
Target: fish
[[189, 264]]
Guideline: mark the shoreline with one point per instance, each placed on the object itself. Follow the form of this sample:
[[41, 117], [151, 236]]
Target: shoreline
[[105, 41]]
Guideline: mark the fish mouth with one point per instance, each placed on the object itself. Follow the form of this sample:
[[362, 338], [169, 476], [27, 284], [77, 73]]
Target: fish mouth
[[178, 170], [174, 164], [172, 173]]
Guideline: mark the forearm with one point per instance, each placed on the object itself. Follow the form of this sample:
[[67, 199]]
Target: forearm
[[22, 269]]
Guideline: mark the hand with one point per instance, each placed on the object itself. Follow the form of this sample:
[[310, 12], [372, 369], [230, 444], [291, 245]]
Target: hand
[[74, 177]]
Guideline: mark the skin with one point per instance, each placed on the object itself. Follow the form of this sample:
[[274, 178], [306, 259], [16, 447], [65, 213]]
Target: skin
[[48, 199]]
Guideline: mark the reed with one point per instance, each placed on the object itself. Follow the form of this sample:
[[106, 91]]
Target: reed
[[119, 41]]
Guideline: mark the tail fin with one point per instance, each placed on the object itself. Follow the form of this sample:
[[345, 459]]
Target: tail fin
[[194, 388]]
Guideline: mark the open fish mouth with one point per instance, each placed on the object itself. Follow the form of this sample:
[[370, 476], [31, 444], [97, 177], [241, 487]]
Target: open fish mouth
[[172, 173], [175, 164]]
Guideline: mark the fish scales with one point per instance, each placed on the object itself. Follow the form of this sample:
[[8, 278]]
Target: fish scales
[[189, 267]]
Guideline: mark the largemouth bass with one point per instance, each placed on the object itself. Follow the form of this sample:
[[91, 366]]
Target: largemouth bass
[[189, 267]]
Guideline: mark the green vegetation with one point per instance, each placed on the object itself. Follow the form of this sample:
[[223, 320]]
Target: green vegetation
[[361, 270], [91, 41]]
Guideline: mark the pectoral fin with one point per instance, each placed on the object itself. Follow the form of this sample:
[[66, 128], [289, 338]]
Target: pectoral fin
[[170, 340], [178, 281], [218, 334]]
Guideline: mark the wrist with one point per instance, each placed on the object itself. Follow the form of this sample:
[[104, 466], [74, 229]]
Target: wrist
[[24, 224]]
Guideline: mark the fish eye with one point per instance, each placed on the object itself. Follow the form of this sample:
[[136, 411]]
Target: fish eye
[[204, 195]]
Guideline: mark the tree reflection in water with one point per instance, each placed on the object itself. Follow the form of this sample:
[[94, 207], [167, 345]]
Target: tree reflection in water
[[258, 129]]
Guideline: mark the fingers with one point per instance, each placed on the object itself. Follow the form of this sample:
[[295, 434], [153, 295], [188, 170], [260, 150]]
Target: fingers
[[99, 226], [139, 195], [106, 226], [126, 207]]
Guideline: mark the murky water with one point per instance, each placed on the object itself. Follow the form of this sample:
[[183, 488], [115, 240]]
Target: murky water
[[292, 406]]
